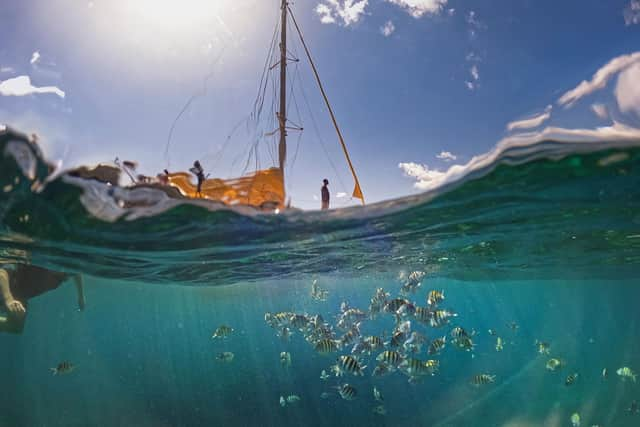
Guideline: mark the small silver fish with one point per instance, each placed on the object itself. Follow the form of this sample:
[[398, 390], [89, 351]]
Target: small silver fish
[[575, 420], [285, 359], [324, 395], [282, 401], [293, 398], [324, 376], [377, 395]]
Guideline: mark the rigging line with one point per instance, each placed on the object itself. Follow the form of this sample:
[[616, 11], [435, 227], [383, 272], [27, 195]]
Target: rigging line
[[265, 70], [202, 92], [317, 132], [357, 191]]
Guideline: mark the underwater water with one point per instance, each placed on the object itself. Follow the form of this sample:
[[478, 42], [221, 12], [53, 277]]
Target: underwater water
[[541, 243]]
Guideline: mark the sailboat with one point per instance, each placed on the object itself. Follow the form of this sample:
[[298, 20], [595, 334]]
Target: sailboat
[[265, 188]]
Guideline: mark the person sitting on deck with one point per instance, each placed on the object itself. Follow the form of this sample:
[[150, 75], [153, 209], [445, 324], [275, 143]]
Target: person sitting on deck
[[21, 282], [198, 171], [325, 194]]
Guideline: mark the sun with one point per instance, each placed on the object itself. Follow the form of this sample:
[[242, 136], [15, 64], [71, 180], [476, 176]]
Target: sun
[[172, 16]]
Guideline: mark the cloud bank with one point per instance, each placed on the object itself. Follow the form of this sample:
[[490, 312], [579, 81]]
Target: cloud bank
[[21, 86]]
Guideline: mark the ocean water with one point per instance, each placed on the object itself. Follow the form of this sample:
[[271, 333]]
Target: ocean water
[[538, 241]]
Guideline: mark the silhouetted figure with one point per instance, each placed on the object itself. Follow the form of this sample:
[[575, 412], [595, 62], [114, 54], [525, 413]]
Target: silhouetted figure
[[325, 194], [198, 171]]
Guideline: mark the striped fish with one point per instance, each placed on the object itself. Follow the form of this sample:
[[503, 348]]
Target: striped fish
[[375, 342], [298, 321], [326, 345], [351, 335], [390, 357], [395, 304], [482, 379], [440, 317], [464, 343], [397, 339], [571, 379], [435, 297], [437, 345], [347, 391], [223, 331], [414, 367], [63, 368], [423, 315], [350, 364]]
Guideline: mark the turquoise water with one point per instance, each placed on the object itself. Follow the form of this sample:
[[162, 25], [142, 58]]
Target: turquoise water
[[552, 246]]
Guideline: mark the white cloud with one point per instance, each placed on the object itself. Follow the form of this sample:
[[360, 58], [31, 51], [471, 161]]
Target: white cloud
[[418, 8], [599, 79], [475, 76], [474, 72], [628, 90], [6, 69], [447, 156], [474, 24], [531, 122], [35, 57], [341, 195], [421, 173], [21, 86], [325, 13], [345, 12], [451, 12], [387, 29], [600, 110], [632, 13]]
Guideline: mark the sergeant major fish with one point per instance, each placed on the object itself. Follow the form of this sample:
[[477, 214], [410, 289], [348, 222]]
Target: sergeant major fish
[[326, 346], [626, 373], [571, 379], [437, 345], [390, 357], [63, 368], [435, 297], [349, 364], [223, 331], [225, 356], [347, 391], [482, 379]]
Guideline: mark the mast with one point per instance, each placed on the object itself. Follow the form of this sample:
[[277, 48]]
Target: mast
[[282, 114]]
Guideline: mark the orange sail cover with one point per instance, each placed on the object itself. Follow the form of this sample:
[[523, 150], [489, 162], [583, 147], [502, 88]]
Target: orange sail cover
[[262, 189]]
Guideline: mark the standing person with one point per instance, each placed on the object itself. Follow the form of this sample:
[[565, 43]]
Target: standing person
[[198, 171], [325, 194], [19, 283]]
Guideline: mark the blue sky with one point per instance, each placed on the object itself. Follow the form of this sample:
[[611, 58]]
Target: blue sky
[[408, 79]]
